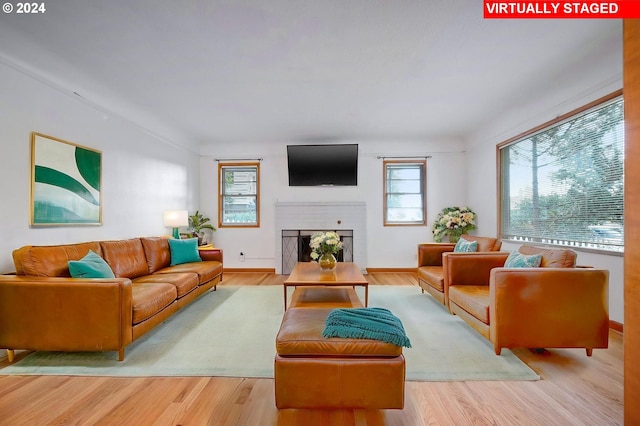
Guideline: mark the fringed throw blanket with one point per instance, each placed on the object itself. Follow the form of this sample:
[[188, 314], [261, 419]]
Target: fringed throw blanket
[[366, 323]]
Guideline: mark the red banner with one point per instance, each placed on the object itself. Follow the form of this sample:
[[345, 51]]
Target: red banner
[[620, 9]]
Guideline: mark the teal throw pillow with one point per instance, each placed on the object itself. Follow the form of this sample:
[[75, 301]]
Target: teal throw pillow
[[464, 246], [519, 260], [184, 251], [90, 266]]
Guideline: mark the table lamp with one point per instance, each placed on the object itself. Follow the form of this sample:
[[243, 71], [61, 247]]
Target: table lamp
[[176, 219]]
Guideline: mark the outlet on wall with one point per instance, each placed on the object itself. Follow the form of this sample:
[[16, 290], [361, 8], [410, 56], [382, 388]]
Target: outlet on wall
[[241, 256]]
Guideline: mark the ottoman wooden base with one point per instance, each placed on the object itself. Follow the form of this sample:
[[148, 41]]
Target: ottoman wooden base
[[325, 297], [313, 372]]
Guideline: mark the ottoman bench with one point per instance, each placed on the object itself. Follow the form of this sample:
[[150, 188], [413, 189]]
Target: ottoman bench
[[313, 372]]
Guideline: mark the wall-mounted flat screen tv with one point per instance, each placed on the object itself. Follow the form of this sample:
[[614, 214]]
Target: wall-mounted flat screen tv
[[318, 165]]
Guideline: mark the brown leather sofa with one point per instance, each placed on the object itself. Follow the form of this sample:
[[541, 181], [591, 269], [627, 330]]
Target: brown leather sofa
[[556, 305], [430, 272], [43, 308]]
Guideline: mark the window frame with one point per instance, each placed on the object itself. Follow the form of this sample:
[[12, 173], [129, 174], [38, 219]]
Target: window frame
[[423, 192], [502, 205], [221, 195]]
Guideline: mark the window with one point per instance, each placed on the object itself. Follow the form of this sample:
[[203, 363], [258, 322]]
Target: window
[[563, 183], [404, 192], [239, 195]]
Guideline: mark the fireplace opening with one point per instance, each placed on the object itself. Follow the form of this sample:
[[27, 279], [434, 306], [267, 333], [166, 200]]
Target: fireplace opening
[[304, 249], [296, 248]]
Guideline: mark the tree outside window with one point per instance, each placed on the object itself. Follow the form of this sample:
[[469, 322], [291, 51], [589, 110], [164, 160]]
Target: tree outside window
[[564, 183]]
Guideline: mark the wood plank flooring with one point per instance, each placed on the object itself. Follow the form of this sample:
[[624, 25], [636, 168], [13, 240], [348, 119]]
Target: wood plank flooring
[[574, 390]]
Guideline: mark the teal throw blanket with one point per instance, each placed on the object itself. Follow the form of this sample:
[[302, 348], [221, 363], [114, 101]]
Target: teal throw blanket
[[366, 323]]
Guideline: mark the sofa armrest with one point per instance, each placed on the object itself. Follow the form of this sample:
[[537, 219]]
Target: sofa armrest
[[42, 313], [549, 307], [211, 254], [430, 254]]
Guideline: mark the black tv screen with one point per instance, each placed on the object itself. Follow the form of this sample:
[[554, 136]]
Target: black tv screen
[[316, 165]]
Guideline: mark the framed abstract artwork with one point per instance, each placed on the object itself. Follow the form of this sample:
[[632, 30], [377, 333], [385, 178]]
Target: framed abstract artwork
[[65, 182]]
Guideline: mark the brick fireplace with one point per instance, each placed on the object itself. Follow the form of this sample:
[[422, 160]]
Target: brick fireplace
[[308, 217], [296, 247]]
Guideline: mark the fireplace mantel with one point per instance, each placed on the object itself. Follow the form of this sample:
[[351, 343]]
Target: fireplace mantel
[[335, 215]]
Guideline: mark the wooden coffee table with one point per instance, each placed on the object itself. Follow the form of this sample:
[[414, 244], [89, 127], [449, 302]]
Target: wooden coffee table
[[309, 274]]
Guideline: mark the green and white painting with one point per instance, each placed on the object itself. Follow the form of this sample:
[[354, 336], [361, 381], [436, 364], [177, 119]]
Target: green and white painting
[[65, 183]]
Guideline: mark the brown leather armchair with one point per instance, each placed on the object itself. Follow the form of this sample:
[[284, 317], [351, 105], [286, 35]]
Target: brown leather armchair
[[557, 305], [430, 272]]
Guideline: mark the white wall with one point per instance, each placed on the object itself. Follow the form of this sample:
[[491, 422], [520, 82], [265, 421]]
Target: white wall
[[141, 175], [602, 76], [387, 247]]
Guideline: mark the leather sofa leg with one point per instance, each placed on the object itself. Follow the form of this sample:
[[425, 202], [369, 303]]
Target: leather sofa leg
[[10, 355], [589, 351], [121, 355]]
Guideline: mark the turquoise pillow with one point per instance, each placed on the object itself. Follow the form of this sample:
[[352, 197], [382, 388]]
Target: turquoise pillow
[[90, 266], [519, 260], [184, 251], [464, 246]]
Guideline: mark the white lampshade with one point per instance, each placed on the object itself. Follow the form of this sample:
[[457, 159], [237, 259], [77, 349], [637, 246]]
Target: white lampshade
[[176, 218]]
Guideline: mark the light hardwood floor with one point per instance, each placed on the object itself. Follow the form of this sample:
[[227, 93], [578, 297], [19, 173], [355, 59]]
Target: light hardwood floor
[[574, 390]]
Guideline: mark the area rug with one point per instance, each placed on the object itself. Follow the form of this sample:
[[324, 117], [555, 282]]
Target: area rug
[[231, 332]]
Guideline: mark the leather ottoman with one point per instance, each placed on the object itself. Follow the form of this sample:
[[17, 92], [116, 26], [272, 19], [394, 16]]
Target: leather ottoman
[[314, 372]]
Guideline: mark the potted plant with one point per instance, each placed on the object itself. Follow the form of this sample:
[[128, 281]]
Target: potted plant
[[198, 222]]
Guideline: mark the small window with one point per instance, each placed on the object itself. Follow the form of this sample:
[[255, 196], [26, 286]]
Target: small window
[[239, 195], [404, 192]]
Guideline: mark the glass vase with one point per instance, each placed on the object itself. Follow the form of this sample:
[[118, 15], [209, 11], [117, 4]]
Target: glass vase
[[454, 236], [327, 261]]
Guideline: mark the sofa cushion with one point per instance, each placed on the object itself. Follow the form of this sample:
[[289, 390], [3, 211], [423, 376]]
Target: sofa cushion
[[432, 275], [184, 282], [472, 298], [464, 246], [206, 270], [150, 298], [90, 266], [552, 258], [156, 250], [301, 335], [519, 260], [126, 257], [484, 243], [50, 261], [184, 251]]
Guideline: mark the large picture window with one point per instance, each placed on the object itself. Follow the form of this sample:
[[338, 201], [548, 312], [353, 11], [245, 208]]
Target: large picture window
[[563, 183], [239, 195], [404, 192]]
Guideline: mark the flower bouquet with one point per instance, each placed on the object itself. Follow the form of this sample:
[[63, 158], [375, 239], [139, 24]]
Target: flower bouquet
[[324, 245], [453, 221]]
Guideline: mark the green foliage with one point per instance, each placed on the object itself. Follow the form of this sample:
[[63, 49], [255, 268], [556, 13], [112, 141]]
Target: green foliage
[[198, 222]]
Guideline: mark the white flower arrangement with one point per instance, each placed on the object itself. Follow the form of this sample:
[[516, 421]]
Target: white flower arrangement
[[453, 221], [324, 242]]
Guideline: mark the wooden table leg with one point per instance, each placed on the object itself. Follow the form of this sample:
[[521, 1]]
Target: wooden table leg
[[285, 296], [366, 295]]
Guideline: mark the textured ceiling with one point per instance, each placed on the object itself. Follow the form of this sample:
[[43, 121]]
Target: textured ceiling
[[219, 71]]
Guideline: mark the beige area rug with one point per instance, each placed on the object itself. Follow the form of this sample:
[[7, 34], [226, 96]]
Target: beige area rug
[[231, 332]]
